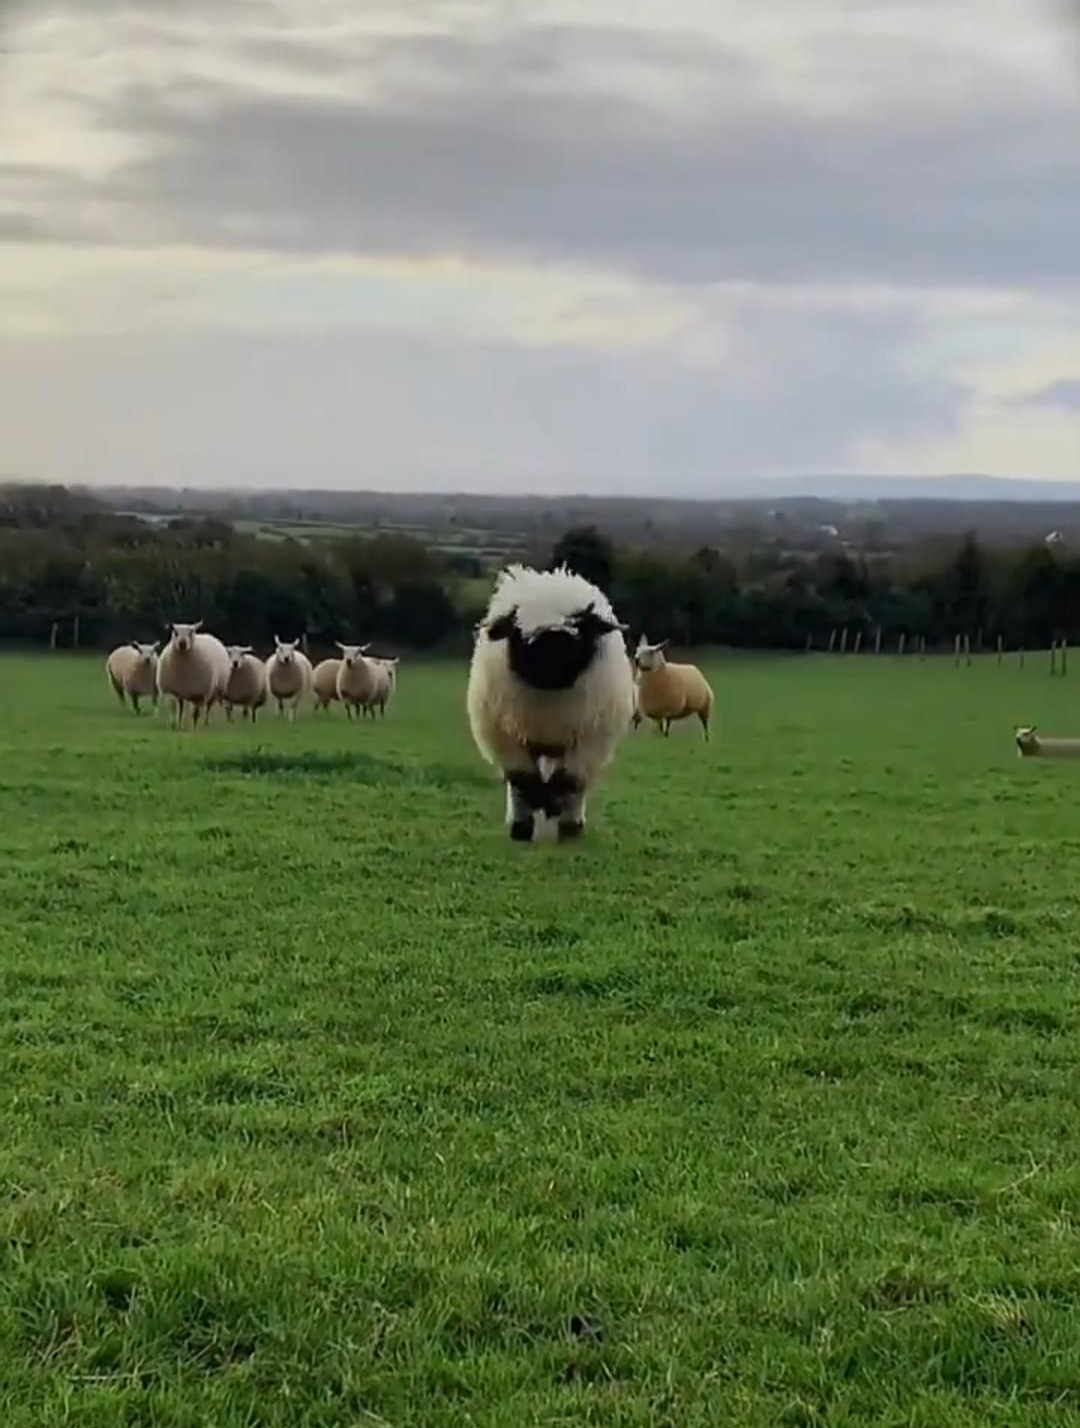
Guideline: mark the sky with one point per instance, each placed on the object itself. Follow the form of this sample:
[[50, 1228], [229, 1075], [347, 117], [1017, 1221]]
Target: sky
[[671, 248]]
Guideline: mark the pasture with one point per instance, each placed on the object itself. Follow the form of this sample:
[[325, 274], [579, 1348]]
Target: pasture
[[325, 1106]]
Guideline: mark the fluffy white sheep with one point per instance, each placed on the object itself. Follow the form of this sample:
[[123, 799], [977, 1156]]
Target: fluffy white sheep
[[288, 676], [386, 669], [132, 672], [245, 688], [1030, 745], [551, 693], [667, 692], [324, 683], [358, 680], [193, 669]]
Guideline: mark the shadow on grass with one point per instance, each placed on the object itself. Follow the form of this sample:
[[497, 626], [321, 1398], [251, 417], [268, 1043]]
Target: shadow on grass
[[355, 767]]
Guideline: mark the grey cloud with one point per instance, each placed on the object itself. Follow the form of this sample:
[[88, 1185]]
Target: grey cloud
[[1064, 393], [343, 409], [465, 150]]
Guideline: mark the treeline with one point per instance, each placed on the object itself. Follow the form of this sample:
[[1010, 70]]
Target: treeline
[[65, 558]]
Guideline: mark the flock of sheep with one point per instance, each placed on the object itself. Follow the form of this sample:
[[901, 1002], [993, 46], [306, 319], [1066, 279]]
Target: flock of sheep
[[197, 672], [552, 689]]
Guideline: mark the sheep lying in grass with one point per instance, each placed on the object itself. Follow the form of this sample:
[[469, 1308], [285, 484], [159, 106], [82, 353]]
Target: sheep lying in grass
[[1030, 745], [288, 676], [193, 669], [550, 695], [324, 683], [667, 692], [132, 672], [245, 688]]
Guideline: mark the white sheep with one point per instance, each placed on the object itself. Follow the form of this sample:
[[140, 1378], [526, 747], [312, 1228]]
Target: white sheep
[[1030, 745], [358, 680], [193, 669], [386, 686], [667, 692], [132, 672], [551, 693], [288, 676], [324, 683], [245, 688]]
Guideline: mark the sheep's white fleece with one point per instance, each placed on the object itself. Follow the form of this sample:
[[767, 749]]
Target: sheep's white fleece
[[506, 715], [199, 674], [246, 686], [324, 682]]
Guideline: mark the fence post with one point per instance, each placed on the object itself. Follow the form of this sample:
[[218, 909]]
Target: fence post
[[858, 642], [75, 633], [967, 649], [1000, 648], [832, 639], [843, 640], [809, 642], [901, 643], [53, 634], [877, 641], [956, 651]]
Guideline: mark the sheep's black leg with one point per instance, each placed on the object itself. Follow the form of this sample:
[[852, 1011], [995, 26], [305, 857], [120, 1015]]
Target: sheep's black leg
[[566, 802], [523, 798]]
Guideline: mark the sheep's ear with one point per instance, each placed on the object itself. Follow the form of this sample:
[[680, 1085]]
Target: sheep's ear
[[136, 646], [596, 624], [501, 628], [663, 644], [196, 626], [364, 649]]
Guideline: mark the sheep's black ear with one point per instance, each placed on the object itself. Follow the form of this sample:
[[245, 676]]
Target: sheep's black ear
[[589, 623], [502, 628]]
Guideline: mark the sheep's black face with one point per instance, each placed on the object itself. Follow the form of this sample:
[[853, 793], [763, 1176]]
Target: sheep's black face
[[552, 659]]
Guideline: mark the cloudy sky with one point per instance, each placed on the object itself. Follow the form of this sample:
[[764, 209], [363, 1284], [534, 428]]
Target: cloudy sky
[[643, 245]]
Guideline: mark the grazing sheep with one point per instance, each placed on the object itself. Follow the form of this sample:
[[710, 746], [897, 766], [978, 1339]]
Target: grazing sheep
[[666, 692], [324, 683], [193, 669], [359, 679], [132, 672], [288, 676], [551, 693], [1029, 745], [245, 688]]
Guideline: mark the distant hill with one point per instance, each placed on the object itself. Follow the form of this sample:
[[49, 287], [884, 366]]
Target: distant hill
[[868, 513], [918, 488]]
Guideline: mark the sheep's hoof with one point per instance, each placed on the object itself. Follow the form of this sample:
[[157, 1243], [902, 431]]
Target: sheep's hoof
[[569, 830], [521, 830]]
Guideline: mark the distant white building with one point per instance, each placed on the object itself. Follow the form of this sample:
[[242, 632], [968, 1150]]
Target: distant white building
[[829, 531], [1055, 538]]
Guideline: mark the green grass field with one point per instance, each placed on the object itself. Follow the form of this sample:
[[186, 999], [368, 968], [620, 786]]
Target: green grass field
[[325, 1106]]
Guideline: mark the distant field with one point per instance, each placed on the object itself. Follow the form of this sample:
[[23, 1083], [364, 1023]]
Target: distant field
[[325, 1106], [487, 545], [297, 530]]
